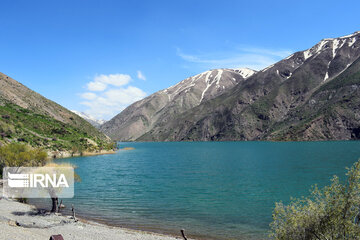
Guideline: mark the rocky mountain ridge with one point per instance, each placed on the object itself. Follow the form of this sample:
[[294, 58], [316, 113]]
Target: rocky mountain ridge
[[293, 99], [162, 106]]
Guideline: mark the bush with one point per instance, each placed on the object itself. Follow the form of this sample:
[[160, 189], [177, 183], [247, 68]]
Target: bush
[[21, 155], [328, 213]]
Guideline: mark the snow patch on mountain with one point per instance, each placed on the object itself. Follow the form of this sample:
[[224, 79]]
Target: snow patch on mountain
[[335, 46], [245, 72], [267, 68], [326, 76], [213, 79], [351, 35], [218, 76], [352, 41], [289, 57], [207, 86], [307, 54]]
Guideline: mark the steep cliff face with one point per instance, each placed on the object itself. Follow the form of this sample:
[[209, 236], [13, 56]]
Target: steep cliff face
[[280, 102], [166, 105]]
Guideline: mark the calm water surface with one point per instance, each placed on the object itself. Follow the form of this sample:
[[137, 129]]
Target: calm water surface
[[220, 190]]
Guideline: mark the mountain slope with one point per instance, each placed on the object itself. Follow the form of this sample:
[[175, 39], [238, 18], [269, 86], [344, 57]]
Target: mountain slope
[[24, 97], [27, 116], [164, 106], [332, 111], [266, 102]]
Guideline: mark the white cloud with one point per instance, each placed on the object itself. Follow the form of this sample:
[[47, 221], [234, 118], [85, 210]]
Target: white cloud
[[124, 96], [101, 82], [254, 58], [96, 86], [113, 79], [113, 95], [141, 76], [88, 95]]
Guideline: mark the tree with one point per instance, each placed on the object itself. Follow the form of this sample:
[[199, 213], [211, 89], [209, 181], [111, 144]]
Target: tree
[[329, 213], [52, 192], [21, 155]]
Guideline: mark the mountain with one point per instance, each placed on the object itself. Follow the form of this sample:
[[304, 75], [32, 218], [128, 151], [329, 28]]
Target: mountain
[[92, 120], [26, 116], [164, 106], [310, 95]]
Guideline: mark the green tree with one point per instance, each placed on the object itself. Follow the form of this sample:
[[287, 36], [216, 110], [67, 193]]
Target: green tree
[[329, 213], [21, 155]]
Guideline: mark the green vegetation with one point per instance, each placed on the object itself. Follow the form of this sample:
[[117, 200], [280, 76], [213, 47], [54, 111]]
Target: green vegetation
[[21, 155], [329, 213], [21, 125]]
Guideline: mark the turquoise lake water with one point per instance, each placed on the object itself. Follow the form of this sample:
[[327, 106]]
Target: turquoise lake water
[[214, 190]]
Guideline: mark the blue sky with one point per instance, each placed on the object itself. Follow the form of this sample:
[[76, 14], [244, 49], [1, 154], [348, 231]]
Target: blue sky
[[99, 56]]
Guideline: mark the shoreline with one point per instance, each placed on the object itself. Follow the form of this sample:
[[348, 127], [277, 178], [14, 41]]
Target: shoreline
[[138, 227], [146, 229], [24, 221], [67, 154]]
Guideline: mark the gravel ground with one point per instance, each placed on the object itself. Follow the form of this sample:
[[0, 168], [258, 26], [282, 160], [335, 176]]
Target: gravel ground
[[23, 221]]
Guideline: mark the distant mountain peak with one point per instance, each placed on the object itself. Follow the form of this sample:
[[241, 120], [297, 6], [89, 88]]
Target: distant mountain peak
[[334, 51], [210, 83], [311, 94], [332, 43], [242, 104], [95, 122], [343, 37], [164, 105]]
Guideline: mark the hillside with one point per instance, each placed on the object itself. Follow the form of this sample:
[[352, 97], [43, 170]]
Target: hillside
[[332, 112], [26, 116], [306, 96]]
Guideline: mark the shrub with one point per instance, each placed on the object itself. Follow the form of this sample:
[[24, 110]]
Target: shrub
[[328, 213], [21, 155]]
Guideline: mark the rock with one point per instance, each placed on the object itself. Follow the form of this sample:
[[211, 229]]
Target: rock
[[14, 223]]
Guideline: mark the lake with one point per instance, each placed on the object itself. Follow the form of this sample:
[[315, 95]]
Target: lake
[[214, 190]]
